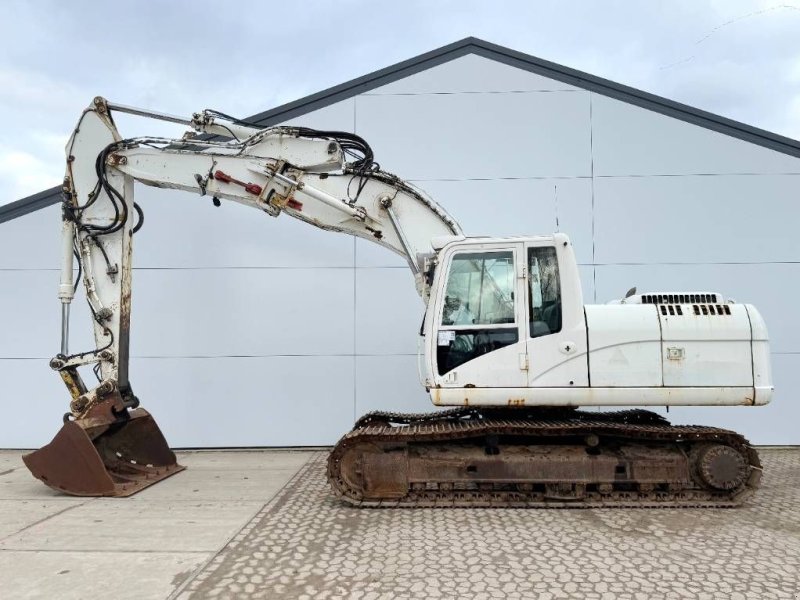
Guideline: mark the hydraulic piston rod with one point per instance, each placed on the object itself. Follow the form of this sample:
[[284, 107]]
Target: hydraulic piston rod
[[200, 121], [66, 291]]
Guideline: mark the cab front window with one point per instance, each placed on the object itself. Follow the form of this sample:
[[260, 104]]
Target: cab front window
[[478, 314], [480, 289]]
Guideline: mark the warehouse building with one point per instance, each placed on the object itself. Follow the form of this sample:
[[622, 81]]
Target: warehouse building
[[253, 331]]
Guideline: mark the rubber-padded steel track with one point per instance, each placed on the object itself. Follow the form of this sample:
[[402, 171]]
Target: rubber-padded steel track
[[384, 434]]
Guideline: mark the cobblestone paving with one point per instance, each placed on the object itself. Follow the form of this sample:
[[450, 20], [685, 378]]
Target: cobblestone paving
[[305, 544]]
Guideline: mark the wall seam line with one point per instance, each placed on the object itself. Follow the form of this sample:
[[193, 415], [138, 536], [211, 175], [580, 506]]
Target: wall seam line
[[355, 291], [591, 171]]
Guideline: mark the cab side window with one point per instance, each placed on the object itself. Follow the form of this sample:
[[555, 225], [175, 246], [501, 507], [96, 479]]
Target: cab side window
[[544, 310]]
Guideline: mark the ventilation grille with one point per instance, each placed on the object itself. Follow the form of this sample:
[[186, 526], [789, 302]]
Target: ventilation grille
[[712, 309], [699, 309], [679, 298]]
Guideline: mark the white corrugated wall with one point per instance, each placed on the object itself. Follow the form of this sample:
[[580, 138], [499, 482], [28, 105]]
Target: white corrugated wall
[[251, 331]]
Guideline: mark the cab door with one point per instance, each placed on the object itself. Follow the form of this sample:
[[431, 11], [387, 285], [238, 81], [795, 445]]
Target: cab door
[[478, 330], [555, 321]]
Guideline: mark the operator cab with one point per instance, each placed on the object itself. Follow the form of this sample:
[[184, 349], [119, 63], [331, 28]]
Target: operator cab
[[499, 312]]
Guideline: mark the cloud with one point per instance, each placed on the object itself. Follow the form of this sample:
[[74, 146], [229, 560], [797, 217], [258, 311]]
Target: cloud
[[792, 126], [36, 92], [182, 56], [24, 174], [38, 167]]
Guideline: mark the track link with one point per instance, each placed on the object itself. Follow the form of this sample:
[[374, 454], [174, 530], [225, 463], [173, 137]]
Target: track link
[[550, 458]]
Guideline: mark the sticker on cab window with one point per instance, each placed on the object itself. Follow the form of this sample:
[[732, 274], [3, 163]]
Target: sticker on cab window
[[445, 337]]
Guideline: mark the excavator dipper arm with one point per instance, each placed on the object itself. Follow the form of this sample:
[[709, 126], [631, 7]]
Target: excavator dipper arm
[[327, 179], [280, 170]]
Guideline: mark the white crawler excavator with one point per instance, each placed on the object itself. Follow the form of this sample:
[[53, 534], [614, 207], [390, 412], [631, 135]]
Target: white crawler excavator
[[508, 343]]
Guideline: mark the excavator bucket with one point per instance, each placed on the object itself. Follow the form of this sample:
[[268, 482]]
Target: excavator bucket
[[105, 455]]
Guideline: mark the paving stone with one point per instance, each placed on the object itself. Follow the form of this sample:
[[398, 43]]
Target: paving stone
[[305, 543]]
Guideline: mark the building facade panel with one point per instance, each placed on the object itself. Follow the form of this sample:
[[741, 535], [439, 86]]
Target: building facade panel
[[32, 241], [369, 255], [388, 311], [339, 116], [187, 231], [468, 136], [507, 207], [242, 312], [220, 292], [697, 219], [30, 315], [628, 140], [240, 402], [34, 399], [390, 383]]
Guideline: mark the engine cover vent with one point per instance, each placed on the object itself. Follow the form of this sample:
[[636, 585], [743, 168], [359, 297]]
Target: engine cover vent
[[680, 298], [676, 298], [712, 309]]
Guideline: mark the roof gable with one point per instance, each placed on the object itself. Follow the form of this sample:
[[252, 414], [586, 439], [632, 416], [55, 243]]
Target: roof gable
[[471, 74], [471, 45]]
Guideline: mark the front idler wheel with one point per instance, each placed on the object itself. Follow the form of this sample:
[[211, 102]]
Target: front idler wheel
[[720, 467]]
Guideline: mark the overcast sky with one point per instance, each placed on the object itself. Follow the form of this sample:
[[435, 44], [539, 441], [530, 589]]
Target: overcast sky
[[735, 58]]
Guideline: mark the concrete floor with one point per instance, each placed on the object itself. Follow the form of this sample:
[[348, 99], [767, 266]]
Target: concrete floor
[[264, 525]]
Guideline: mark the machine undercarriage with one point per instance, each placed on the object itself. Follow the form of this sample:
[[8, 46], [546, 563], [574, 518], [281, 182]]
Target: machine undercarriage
[[540, 458]]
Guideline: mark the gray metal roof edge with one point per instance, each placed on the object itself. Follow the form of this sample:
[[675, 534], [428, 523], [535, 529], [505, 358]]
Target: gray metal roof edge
[[42, 199], [637, 97], [365, 83], [472, 45], [520, 60]]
